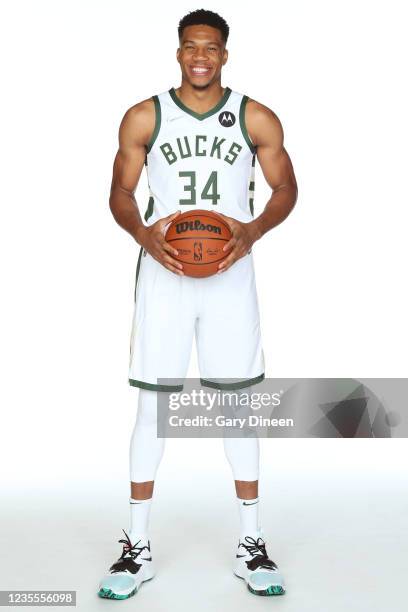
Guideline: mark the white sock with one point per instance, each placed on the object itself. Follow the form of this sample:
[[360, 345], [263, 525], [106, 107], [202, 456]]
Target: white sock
[[139, 518], [248, 516]]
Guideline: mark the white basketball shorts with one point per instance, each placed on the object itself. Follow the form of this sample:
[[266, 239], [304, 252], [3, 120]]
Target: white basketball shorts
[[220, 310]]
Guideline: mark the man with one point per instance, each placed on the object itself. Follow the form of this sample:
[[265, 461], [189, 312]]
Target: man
[[199, 143]]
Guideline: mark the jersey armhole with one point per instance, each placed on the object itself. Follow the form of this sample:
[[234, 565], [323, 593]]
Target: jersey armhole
[[242, 123], [157, 123]]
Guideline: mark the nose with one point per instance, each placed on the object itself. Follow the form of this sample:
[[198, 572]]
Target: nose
[[200, 54]]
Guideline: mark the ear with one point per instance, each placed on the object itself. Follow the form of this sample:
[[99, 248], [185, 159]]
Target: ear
[[178, 54], [225, 57]]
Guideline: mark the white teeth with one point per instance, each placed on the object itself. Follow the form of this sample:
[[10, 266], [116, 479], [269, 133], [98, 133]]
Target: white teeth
[[200, 69]]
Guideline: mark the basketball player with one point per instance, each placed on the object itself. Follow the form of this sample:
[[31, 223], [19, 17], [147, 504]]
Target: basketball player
[[199, 143]]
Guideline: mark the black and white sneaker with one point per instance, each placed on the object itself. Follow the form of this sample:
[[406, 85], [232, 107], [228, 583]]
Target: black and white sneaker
[[253, 565], [129, 571]]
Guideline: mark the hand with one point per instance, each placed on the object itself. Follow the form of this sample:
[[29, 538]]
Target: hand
[[151, 238], [243, 237]]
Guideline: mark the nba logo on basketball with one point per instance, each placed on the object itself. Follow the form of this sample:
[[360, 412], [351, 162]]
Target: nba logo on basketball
[[198, 251]]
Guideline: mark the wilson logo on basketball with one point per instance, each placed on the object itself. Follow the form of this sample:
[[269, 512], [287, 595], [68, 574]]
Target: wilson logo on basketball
[[196, 226]]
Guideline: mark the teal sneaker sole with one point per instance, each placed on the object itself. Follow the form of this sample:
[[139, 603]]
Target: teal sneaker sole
[[272, 590], [109, 594]]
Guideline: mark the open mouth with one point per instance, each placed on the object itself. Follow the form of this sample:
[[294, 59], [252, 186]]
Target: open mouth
[[199, 71]]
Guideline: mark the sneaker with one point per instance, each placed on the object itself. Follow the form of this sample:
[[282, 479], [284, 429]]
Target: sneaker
[[253, 565], [130, 570]]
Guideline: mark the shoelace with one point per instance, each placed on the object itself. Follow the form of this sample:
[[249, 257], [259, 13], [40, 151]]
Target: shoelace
[[133, 551], [126, 561], [257, 550]]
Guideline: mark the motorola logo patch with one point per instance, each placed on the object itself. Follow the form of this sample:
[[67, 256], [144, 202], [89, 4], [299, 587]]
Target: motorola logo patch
[[226, 118]]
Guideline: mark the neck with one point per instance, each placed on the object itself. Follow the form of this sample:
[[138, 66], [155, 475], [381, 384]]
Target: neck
[[200, 100]]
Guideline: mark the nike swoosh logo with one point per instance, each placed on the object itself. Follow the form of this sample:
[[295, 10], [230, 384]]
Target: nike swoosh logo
[[149, 559], [238, 556], [253, 504]]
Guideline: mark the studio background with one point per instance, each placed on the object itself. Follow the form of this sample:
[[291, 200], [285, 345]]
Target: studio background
[[331, 286]]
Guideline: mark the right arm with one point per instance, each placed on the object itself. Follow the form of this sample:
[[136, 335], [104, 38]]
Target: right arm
[[135, 132]]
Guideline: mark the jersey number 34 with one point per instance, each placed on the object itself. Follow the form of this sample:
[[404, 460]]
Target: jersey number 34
[[209, 192]]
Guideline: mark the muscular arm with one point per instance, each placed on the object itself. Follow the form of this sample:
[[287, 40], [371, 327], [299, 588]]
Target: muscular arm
[[266, 133], [135, 131]]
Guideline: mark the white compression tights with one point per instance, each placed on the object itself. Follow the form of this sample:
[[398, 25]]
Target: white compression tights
[[146, 449]]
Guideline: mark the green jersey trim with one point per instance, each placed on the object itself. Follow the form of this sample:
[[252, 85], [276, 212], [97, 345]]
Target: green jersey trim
[[243, 124], [137, 270], [240, 384], [149, 209], [157, 124], [152, 387], [200, 116]]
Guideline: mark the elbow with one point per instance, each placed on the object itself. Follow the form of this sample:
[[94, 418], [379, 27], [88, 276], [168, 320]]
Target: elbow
[[294, 191]]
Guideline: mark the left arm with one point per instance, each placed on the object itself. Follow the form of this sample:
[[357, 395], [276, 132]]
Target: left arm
[[266, 133]]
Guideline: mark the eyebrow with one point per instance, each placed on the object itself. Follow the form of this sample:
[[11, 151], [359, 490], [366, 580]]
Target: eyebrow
[[194, 42]]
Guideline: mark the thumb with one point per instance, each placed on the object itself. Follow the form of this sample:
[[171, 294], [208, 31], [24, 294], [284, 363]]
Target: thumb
[[222, 215], [165, 221], [230, 220], [171, 217]]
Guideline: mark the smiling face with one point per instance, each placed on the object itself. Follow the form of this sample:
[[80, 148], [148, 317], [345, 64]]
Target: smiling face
[[201, 55]]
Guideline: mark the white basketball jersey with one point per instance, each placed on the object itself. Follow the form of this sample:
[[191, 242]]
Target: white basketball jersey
[[202, 160]]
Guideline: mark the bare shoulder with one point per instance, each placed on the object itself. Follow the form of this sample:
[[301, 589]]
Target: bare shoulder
[[138, 123], [263, 124]]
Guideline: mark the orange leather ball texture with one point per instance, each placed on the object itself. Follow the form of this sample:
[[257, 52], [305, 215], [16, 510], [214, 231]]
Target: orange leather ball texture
[[199, 237]]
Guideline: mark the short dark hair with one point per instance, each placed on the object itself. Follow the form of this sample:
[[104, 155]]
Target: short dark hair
[[203, 17]]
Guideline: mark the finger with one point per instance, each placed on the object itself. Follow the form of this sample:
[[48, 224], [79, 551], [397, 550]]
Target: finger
[[161, 256], [236, 254], [224, 265], [167, 247], [229, 245], [163, 245], [172, 262], [173, 269], [168, 264]]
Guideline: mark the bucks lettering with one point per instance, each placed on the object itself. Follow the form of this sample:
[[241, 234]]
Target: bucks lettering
[[196, 226], [200, 160], [199, 146]]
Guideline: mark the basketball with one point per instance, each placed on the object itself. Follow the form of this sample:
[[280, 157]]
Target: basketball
[[199, 237]]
